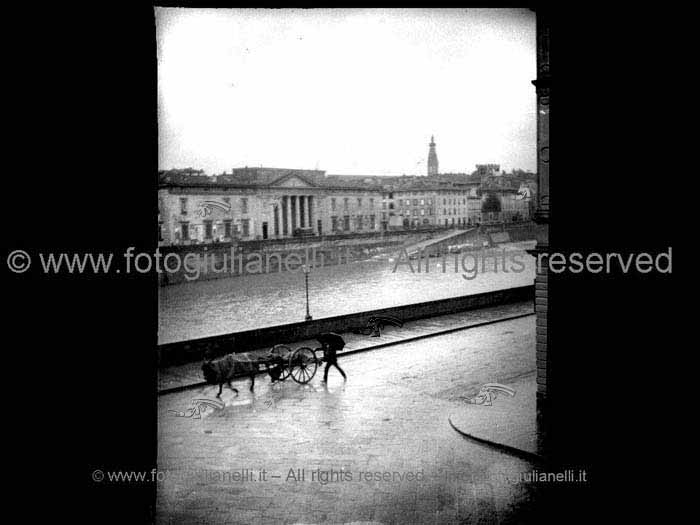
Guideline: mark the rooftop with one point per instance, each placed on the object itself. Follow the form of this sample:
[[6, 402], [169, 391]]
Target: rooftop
[[265, 177]]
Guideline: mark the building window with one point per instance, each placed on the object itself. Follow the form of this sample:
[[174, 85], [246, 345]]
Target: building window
[[359, 202], [346, 203], [415, 202], [246, 227], [422, 211], [415, 213], [359, 222], [346, 221], [185, 231], [391, 205], [183, 206], [391, 196], [227, 229], [371, 203], [160, 232], [372, 222], [334, 223], [244, 204], [208, 229], [430, 202], [408, 202], [333, 204], [422, 202]]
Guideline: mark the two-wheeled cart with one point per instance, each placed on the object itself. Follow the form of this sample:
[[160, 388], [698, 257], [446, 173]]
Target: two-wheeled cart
[[300, 364]]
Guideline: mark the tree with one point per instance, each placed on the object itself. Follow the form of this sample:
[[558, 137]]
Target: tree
[[491, 204]]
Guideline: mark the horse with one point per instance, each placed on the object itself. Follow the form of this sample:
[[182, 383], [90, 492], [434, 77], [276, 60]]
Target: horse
[[225, 369]]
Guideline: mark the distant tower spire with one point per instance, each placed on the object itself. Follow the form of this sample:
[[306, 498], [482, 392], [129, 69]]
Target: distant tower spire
[[432, 158]]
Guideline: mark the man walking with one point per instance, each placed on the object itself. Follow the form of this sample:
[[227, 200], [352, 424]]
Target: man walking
[[331, 343]]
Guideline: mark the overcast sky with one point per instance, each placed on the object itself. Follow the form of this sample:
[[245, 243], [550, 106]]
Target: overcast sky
[[346, 91]]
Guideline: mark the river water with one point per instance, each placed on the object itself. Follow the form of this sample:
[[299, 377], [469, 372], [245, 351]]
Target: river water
[[204, 308]]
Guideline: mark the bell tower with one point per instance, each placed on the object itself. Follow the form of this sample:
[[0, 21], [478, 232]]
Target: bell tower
[[432, 158]]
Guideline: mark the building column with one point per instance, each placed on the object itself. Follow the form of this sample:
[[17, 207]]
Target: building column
[[283, 214], [288, 230], [297, 213], [302, 211], [311, 214], [275, 220]]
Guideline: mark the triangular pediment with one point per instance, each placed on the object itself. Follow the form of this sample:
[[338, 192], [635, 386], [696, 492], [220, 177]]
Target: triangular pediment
[[292, 181]]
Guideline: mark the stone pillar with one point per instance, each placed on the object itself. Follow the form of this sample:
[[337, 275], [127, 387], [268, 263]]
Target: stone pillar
[[542, 279], [311, 213], [302, 211], [297, 213], [288, 230], [282, 217], [276, 220], [542, 87]]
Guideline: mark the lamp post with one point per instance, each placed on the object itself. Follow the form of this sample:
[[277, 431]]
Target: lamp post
[[306, 281]]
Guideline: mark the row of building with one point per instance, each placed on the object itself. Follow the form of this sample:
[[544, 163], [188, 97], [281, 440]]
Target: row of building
[[276, 203]]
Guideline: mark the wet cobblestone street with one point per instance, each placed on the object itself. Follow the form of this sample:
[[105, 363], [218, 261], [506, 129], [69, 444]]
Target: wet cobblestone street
[[389, 419]]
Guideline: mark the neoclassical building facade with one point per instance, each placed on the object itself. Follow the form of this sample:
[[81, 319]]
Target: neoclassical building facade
[[263, 203]]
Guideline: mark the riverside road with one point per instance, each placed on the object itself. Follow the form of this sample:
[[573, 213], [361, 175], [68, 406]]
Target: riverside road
[[376, 449]]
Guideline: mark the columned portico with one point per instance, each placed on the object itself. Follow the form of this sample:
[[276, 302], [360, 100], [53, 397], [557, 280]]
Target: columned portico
[[292, 212]]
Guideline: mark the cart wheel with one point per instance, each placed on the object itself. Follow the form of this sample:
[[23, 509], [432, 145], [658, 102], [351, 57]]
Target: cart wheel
[[282, 351], [303, 365]]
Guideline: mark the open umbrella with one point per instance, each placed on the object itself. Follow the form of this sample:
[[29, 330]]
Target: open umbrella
[[331, 339]]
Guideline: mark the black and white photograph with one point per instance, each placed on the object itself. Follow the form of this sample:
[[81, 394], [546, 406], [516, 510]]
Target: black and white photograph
[[320, 280], [353, 222]]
